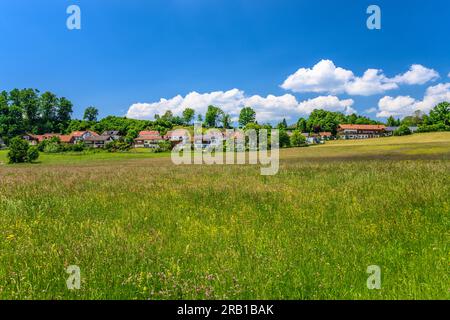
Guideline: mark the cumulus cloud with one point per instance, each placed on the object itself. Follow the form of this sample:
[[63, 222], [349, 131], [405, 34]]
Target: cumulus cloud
[[402, 106], [268, 109], [372, 82], [230, 101], [325, 77], [371, 110], [330, 103], [417, 74]]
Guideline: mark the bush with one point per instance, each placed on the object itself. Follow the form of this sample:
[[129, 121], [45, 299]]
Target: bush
[[164, 146], [116, 146], [403, 130], [52, 147], [32, 154], [77, 147], [20, 151], [285, 141], [297, 139], [434, 128]]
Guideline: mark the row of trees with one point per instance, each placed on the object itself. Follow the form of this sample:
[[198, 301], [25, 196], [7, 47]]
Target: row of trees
[[439, 115], [29, 111]]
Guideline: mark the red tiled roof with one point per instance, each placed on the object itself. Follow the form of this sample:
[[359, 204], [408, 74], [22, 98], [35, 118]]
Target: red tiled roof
[[42, 137], [65, 138], [325, 134], [80, 133], [149, 133], [149, 137], [362, 127], [177, 133]]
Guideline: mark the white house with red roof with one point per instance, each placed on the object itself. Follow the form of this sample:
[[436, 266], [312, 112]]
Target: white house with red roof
[[360, 131], [148, 139]]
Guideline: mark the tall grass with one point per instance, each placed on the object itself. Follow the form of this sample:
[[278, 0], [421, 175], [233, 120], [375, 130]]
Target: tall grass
[[142, 228]]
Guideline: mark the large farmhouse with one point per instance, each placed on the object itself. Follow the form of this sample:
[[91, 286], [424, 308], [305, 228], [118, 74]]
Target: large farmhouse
[[360, 131], [148, 139]]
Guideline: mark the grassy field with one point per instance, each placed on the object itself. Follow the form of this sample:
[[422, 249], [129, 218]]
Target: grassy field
[[141, 228]]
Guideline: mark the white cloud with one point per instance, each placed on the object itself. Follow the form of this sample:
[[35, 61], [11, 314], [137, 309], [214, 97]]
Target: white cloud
[[372, 82], [230, 101], [371, 110], [402, 106], [434, 95], [325, 77], [397, 107], [330, 103], [268, 109], [417, 74]]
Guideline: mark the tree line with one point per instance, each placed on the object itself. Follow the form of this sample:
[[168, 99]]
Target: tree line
[[30, 111]]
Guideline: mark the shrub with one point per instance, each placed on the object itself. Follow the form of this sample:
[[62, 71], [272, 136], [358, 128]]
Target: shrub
[[20, 151], [403, 130], [117, 145], [77, 147], [434, 128], [52, 147], [285, 141], [164, 146], [297, 139], [32, 154]]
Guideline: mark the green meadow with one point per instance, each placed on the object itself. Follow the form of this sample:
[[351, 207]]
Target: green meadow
[[140, 227]]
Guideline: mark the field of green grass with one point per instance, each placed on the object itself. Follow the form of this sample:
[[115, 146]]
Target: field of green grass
[[140, 227]]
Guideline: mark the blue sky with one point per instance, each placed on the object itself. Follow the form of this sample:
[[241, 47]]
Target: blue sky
[[129, 55]]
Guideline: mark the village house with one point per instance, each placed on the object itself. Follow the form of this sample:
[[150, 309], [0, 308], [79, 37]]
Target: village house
[[78, 136], [98, 141], [148, 139], [114, 134], [325, 135], [209, 139], [177, 136], [46, 136], [31, 139], [360, 131], [73, 138]]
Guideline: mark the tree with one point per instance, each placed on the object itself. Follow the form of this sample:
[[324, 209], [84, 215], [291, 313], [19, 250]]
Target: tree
[[282, 125], [246, 116], [200, 118], [225, 120], [188, 115], [212, 116], [48, 103], [90, 114], [20, 151], [131, 135], [32, 154], [284, 139], [28, 101], [297, 139], [63, 113], [302, 125], [403, 130], [167, 116], [440, 114]]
